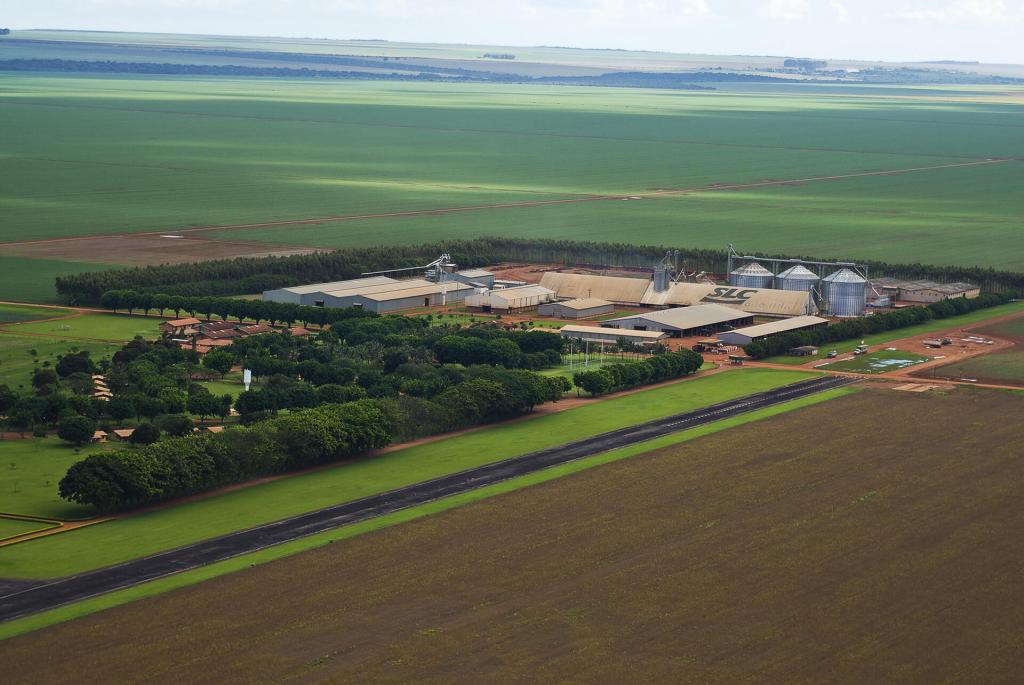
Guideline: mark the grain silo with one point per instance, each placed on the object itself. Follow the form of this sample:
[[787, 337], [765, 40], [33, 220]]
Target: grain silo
[[797, 278], [752, 275], [845, 291]]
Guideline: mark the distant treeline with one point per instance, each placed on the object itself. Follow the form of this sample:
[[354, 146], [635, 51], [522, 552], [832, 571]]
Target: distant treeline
[[625, 79], [242, 275]]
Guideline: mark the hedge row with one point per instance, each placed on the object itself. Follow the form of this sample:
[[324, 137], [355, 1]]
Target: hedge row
[[659, 367], [175, 467]]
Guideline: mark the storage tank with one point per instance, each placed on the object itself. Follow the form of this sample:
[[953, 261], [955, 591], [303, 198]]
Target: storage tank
[[845, 292], [797, 278], [752, 275]]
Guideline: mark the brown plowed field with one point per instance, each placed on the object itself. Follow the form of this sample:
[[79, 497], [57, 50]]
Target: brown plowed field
[[140, 250], [883, 548]]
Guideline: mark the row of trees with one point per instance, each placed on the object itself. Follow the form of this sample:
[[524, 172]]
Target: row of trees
[[858, 328], [123, 479], [659, 367], [236, 276], [226, 307]]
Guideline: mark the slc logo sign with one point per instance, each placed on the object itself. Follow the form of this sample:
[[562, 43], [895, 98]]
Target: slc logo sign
[[725, 295]]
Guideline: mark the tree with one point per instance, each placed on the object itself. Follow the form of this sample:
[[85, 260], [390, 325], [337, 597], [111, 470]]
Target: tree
[[175, 425], [44, 379], [202, 403], [144, 434], [76, 429], [7, 399], [220, 361], [74, 363], [121, 407], [594, 382]]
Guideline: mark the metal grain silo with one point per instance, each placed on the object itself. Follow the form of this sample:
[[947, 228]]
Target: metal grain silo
[[797, 278], [845, 292], [752, 275]]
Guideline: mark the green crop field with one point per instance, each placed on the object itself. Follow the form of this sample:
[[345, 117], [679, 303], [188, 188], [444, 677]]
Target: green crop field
[[29, 472], [13, 313], [117, 327], [102, 155], [32, 280], [148, 533]]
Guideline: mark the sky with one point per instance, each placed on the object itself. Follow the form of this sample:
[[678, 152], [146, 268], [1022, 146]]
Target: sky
[[891, 30]]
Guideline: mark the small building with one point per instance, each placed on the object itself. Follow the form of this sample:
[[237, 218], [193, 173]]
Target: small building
[[737, 359], [299, 331], [803, 351], [745, 336], [510, 299], [683, 322], [256, 329], [122, 434], [611, 336], [221, 334], [584, 308], [176, 327], [99, 436], [215, 429]]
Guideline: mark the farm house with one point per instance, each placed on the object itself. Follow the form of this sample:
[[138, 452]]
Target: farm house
[[585, 308], [685, 321], [745, 336], [510, 299]]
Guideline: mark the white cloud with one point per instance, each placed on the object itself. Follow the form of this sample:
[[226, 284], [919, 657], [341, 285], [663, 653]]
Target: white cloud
[[786, 10], [957, 11], [842, 13]]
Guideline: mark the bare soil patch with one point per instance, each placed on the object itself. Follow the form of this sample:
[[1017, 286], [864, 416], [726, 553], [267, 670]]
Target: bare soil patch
[[147, 249], [881, 550]]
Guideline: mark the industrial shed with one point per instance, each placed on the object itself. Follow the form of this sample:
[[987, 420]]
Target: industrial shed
[[759, 301], [610, 336], [378, 294], [510, 299], [585, 308], [611, 288], [745, 336], [685, 321], [307, 294], [642, 292], [474, 277], [925, 291]]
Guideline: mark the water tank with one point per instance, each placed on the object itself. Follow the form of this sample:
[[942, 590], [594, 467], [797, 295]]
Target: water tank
[[797, 278], [752, 275], [845, 292]]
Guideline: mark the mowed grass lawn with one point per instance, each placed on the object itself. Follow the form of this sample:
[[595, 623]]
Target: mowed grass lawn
[[20, 355], [116, 327], [933, 326], [148, 533], [29, 472]]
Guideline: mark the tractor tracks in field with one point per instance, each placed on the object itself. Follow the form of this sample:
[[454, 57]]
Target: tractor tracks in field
[[575, 199]]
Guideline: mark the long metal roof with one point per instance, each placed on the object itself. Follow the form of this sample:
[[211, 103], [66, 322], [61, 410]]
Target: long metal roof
[[780, 326], [378, 288], [617, 332], [418, 291], [685, 318], [584, 303], [611, 288], [338, 285]]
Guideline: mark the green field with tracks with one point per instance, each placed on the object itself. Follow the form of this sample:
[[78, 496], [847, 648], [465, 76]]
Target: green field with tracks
[[845, 171]]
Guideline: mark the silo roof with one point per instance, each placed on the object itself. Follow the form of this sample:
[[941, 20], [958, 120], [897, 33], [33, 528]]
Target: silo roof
[[752, 269], [799, 273], [844, 276]]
